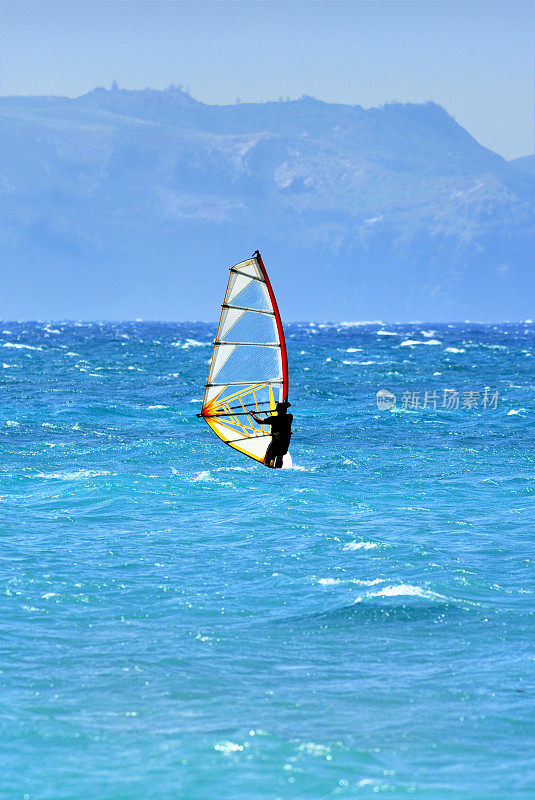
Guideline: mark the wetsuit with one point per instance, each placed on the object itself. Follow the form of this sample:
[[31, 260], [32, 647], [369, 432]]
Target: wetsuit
[[281, 433]]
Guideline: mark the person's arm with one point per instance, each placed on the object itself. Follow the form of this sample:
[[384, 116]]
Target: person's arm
[[257, 418]]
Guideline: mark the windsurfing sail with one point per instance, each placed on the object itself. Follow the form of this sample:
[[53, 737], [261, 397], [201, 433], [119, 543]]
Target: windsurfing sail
[[249, 366]]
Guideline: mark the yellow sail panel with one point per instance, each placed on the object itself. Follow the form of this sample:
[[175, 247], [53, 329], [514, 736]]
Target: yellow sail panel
[[254, 446], [228, 416]]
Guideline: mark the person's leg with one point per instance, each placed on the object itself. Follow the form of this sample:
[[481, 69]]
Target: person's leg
[[269, 457], [278, 462]]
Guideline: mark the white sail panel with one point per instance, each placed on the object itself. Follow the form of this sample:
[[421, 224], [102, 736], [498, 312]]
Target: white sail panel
[[237, 283], [229, 317], [254, 295], [221, 355], [242, 328], [249, 267]]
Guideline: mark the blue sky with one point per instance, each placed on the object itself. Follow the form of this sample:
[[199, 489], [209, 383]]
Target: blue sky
[[474, 58]]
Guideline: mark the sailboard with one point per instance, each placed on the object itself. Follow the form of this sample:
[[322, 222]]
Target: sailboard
[[249, 365]]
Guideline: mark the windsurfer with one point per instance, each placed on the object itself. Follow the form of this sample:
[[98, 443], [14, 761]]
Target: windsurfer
[[281, 432]]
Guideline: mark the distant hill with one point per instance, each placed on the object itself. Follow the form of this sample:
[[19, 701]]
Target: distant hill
[[120, 204], [525, 164]]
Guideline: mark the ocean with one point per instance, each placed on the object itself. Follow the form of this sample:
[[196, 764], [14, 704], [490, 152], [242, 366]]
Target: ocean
[[177, 622]]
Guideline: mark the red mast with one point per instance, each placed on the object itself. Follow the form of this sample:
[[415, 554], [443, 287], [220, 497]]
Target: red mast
[[280, 329]]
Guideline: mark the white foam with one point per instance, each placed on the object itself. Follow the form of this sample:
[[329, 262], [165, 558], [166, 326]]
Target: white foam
[[17, 346], [454, 350], [403, 590], [363, 322], [387, 333], [355, 581], [72, 476], [354, 350], [360, 545], [409, 342], [203, 476], [151, 408], [516, 411], [193, 343], [12, 423]]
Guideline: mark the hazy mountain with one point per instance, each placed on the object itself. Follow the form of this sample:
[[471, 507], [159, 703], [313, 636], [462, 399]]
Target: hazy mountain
[[132, 203], [525, 164]]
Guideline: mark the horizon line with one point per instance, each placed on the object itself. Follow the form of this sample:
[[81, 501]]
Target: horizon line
[[346, 323]]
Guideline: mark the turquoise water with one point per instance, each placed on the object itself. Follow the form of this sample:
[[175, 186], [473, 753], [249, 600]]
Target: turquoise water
[[180, 622]]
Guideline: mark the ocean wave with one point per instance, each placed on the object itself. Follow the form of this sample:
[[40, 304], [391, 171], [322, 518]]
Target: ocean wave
[[364, 322], [18, 346], [360, 546], [236, 469], [402, 590], [410, 342], [192, 343], [72, 476], [202, 476], [347, 581]]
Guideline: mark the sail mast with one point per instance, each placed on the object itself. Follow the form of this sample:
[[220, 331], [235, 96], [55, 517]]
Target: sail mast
[[280, 329]]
